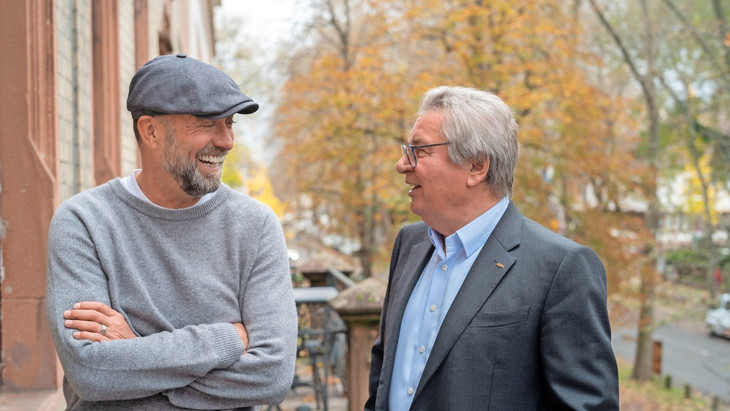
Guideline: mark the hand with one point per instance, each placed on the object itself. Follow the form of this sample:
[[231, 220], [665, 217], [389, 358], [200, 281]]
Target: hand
[[243, 333], [88, 317]]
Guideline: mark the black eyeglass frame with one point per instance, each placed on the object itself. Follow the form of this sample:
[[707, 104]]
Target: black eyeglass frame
[[405, 147]]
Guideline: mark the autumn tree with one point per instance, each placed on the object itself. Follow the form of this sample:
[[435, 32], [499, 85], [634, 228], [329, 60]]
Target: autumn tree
[[577, 163], [343, 111], [245, 174], [644, 73], [242, 170], [351, 95], [697, 79], [680, 72]]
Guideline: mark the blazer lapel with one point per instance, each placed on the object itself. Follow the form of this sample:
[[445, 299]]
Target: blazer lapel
[[404, 281], [493, 263]]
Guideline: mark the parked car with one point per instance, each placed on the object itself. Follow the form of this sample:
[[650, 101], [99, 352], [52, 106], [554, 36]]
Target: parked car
[[718, 319]]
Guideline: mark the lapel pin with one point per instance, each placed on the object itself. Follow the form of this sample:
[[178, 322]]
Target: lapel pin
[[500, 265]]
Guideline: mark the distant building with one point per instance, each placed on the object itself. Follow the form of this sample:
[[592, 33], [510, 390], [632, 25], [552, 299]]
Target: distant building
[[64, 128], [683, 213]]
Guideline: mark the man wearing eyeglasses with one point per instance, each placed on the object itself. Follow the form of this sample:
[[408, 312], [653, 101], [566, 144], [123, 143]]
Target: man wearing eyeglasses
[[485, 309]]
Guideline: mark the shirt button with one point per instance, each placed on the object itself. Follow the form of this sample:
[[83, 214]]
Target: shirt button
[[432, 308], [444, 267], [410, 391], [421, 349]]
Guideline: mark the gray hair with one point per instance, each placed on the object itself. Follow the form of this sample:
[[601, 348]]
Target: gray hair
[[479, 126]]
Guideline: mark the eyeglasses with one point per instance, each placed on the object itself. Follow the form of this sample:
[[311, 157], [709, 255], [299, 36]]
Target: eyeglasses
[[409, 150]]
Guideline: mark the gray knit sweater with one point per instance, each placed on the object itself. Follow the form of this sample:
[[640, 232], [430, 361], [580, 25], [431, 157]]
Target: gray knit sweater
[[180, 278]]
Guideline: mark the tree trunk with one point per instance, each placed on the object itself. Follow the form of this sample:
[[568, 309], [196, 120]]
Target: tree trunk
[[642, 365], [642, 360]]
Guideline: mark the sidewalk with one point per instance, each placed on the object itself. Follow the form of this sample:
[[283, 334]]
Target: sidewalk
[[296, 400], [303, 398], [32, 401], [53, 401]]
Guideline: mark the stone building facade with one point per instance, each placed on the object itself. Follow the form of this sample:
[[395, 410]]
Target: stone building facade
[[64, 128]]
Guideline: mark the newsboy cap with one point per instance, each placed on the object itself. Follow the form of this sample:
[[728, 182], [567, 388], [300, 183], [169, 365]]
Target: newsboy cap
[[178, 84]]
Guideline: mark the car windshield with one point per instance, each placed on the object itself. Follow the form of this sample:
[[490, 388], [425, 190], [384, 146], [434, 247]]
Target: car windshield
[[724, 301]]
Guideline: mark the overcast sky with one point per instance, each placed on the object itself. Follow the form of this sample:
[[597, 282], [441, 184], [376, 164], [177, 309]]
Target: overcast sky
[[265, 19], [266, 22]]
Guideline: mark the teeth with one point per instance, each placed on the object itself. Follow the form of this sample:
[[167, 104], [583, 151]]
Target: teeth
[[212, 159]]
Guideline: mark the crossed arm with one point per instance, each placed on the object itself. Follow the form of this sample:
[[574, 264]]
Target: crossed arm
[[200, 365], [96, 321]]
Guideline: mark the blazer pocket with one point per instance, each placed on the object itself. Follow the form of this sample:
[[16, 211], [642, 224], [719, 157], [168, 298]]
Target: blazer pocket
[[500, 318]]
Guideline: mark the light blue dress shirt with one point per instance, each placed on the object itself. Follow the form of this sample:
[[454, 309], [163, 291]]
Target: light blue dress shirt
[[430, 301]]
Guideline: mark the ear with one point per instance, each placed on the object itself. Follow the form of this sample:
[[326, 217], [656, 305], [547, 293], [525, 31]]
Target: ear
[[478, 173], [150, 131]]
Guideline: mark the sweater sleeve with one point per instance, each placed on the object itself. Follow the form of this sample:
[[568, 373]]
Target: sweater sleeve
[[265, 373], [121, 369]]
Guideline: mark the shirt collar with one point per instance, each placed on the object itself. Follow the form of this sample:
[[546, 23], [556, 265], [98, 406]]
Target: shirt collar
[[473, 235]]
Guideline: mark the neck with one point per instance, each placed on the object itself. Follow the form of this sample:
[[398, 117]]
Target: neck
[[464, 215], [163, 190]]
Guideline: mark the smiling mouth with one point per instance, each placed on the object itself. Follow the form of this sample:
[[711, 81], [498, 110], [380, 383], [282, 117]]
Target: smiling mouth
[[212, 161], [414, 188]]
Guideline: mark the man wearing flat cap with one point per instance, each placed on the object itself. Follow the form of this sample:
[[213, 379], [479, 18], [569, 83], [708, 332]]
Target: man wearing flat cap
[[166, 289]]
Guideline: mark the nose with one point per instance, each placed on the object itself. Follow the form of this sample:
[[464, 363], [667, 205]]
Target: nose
[[223, 135], [403, 166]]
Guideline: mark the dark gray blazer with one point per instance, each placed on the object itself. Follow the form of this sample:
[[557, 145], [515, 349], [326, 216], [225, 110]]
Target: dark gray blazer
[[528, 329]]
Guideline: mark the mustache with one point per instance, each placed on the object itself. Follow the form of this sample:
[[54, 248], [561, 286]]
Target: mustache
[[213, 151]]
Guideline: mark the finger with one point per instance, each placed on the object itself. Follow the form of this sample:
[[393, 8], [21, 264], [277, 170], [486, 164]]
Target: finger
[[90, 326], [90, 336], [96, 306], [87, 315]]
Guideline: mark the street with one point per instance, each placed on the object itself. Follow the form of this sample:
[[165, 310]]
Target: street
[[689, 355]]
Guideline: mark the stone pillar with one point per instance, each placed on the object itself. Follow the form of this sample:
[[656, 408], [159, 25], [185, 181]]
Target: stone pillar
[[29, 155], [360, 306]]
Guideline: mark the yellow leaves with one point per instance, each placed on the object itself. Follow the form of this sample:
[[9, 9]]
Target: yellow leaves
[[231, 175], [336, 135], [694, 192], [348, 105], [256, 183], [259, 187]]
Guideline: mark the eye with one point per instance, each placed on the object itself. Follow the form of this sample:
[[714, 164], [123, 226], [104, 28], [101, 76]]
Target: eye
[[420, 150]]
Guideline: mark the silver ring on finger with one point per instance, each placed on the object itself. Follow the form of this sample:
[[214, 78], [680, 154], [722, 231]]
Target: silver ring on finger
[[103, 329]]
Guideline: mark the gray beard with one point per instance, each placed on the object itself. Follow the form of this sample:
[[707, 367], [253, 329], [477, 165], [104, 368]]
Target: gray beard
[[185, 171]]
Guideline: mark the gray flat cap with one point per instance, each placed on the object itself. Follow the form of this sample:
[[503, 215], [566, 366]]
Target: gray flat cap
[[178, 84]]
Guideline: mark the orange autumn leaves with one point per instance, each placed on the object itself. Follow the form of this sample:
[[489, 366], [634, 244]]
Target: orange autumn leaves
[[350, 100]]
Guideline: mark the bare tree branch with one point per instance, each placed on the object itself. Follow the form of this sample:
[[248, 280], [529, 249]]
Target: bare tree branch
[[641, 78], [342, 32], [724, 35], [703, 44]]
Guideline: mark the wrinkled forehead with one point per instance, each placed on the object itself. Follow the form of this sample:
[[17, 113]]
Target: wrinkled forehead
[[427, 129]]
